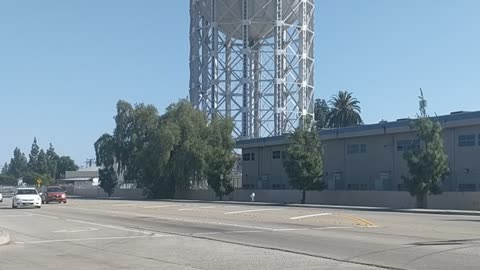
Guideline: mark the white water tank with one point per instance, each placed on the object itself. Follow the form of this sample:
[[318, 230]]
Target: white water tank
[[261, 14]]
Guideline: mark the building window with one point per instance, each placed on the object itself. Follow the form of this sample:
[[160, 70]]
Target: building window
[[279, 186], [466, 140], [276, 155], [284, 155], [248, 186], [467, 187], [363, 148], [353, 187], [407, 145], [252, 156], [246, 156], [356, 148], [353, 149]]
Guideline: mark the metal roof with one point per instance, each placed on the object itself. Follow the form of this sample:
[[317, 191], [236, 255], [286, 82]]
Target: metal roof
[[401, 125]]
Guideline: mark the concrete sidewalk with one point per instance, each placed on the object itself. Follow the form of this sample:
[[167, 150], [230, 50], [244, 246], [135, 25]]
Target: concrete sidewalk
[[4, 237], [346, 207], [339, 207]]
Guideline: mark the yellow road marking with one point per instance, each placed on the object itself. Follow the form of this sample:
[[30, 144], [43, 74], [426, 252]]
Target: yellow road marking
[[365, 222]]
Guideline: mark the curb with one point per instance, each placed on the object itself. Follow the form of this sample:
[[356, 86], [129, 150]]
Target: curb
[[4, 238], [344, 207]]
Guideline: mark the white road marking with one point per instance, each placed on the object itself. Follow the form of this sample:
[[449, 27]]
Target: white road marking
[[7, 216], [212, 223], [229, 232], [253, 210], [207, 233], [124, 205], [159, 206], [207, 207], [94, 239], [105, 225], [77, 230], [310, 216], [331, 228], [255, 228], [290, 230], [252, 231], [193, 209]]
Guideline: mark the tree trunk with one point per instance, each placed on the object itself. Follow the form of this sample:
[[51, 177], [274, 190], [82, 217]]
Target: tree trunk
[[422, 201], [304, 196]]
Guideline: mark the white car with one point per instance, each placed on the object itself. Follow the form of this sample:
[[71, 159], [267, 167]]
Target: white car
[[24, 197], [1, 197]]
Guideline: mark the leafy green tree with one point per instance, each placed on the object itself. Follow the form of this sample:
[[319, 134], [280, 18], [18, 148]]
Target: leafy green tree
[[163, 153], [108, 180], [187, 160], [8, 180], [52, 161], [5, 168], [65, 163], [33, 156], [427, 165], [105, 157], [31, 178], [154, 174], [42, 163], [345, 110], [220, 157], [304, 163], [133, 150], [321, 112], [18, 164], [123, 136]]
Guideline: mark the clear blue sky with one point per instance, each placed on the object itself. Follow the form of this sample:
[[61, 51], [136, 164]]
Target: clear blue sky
[[64, 63]]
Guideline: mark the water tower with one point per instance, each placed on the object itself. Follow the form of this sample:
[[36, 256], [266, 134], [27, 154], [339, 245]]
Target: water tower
[[252, 61]]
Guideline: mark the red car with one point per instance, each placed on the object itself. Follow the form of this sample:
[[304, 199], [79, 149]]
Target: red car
[[54, 194]]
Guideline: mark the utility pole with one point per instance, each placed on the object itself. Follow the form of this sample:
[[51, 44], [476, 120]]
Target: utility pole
[[89, 162]]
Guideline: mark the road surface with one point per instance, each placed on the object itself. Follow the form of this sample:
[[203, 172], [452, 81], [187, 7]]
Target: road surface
[[102, 234]]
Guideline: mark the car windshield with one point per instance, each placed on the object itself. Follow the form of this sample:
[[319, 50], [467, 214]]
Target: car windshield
[[54, 189], [26, 191]]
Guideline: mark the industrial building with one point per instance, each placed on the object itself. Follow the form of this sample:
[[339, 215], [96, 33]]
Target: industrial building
[[370, 157]]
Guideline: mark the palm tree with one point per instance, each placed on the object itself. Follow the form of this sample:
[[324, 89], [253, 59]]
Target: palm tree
[[345, 110]]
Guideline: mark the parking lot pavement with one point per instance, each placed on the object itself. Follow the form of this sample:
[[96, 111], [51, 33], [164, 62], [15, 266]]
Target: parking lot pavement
[[183, 235]]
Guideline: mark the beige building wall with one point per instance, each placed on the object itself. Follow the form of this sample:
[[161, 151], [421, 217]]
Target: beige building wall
[[377, 165]]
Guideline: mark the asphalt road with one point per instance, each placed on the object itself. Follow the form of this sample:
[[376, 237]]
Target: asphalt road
[[93, 234]]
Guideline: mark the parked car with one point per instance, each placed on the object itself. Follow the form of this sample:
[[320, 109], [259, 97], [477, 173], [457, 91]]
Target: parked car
[[1, 198], [24, 197], [53, 194]]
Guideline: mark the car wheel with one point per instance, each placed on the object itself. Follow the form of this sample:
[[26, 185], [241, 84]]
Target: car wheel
[[64, 201], [38, 207], [14, 206], [46, 202]]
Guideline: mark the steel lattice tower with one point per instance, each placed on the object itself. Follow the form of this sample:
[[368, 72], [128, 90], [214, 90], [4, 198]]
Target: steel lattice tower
[[253, 61]]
